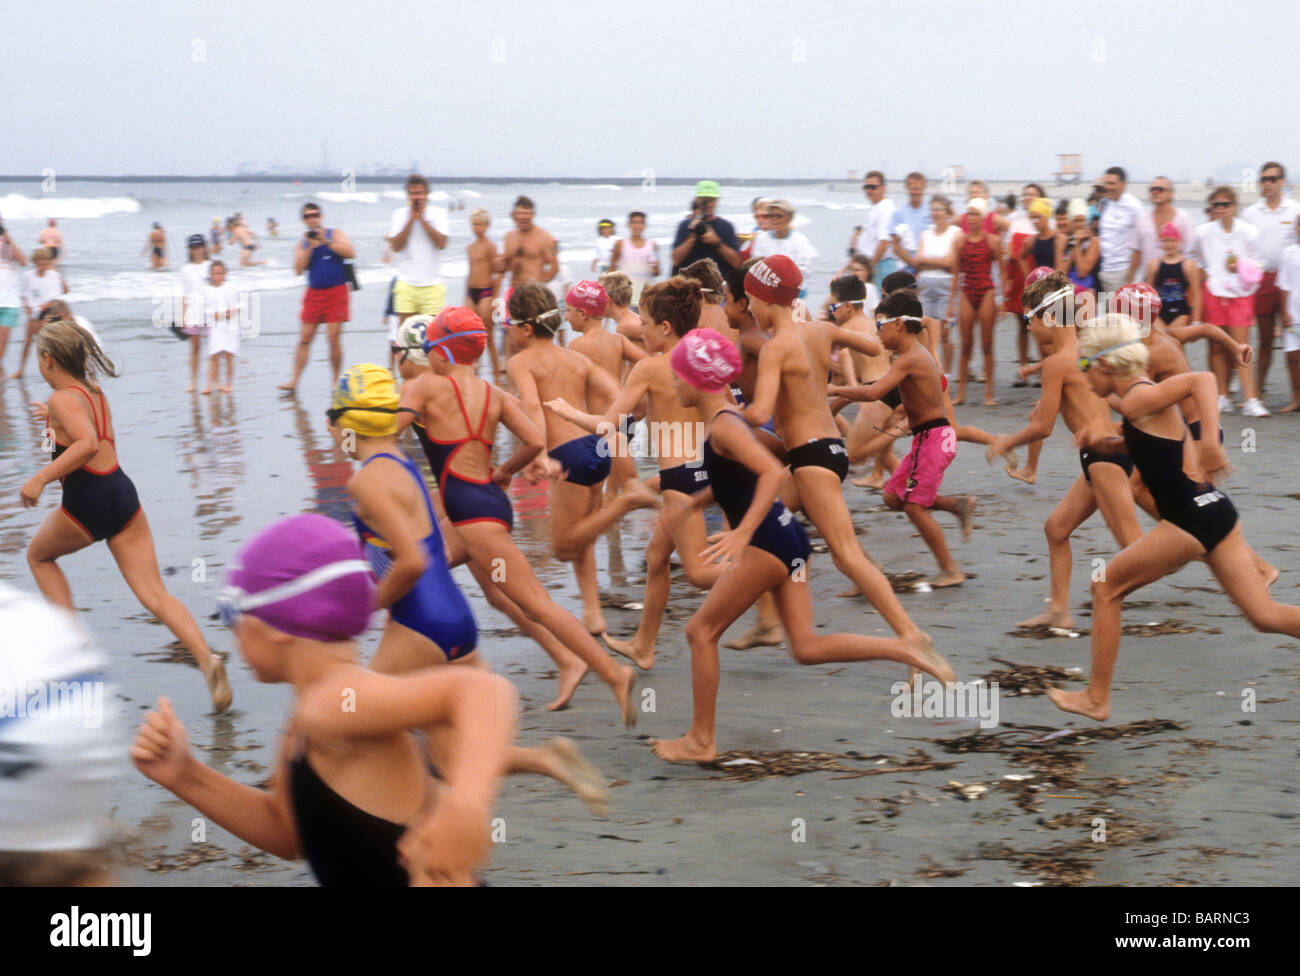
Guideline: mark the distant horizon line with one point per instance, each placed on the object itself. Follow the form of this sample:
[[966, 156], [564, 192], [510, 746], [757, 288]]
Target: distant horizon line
[[359, 178]]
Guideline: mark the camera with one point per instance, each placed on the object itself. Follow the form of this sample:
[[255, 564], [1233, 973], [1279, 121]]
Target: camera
[[313, 235], [2, 230], [701, 228]]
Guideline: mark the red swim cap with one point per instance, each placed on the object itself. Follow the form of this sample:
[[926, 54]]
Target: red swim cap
[[457, 335], [588, 297], [775, 280], [1038, 274], [1138, 300]]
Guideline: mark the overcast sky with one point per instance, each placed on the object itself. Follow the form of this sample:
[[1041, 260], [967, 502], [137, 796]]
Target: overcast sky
[[802, 88]]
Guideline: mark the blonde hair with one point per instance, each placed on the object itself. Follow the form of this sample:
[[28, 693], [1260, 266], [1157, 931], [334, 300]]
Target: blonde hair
[[618, 287], [480, 214], [74, 351], [1115, 329], [42, 254]]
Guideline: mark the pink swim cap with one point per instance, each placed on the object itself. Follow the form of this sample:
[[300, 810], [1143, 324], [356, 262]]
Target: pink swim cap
[[305, 576], [1171, 230], [775, 280], [706, 359], [1038, 274], [588, 297]]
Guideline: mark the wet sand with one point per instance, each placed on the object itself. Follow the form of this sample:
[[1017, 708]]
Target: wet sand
[[1207, 796]]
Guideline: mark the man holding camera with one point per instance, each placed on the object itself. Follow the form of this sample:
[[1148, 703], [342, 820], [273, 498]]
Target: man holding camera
[[321, 253], [703, 235]]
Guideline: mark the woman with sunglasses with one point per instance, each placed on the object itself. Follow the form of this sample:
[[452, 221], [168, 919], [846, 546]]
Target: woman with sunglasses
[[99, 500], [1196, 520]]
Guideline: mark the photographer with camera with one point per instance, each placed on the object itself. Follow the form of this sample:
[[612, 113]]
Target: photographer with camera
[[321, 252], [703, 235]]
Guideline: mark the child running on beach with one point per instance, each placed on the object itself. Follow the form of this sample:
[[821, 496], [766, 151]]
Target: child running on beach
[[579, 461], [585, 306], [99, 500], [1197, 521], [351, 791], [766, 550], [914, 485], [670, 310], [443, 395]]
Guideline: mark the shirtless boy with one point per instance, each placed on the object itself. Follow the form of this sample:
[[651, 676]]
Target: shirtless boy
[[482, 281]]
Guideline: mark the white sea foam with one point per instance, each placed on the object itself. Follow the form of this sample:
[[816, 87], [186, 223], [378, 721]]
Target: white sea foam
[[355, 196], [15, 206]]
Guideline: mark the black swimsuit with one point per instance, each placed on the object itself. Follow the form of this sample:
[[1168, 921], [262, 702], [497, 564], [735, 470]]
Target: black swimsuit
[[1198, 509], [345, 846], [102, 503]]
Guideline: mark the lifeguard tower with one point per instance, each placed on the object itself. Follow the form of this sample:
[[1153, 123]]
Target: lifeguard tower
[[1069, 167]]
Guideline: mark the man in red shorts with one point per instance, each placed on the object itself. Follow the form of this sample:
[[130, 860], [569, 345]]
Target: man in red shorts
[[321, 253]]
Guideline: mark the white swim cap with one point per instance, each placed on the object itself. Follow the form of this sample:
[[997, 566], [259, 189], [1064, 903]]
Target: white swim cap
[[60, 747], [410, 338]]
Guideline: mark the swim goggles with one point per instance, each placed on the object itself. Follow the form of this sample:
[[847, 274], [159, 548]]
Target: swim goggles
[[1086, 361], [900, 318], [1057, 296], [334, 413], [233, 602], [852, 301], [432, 344], [537, 320]]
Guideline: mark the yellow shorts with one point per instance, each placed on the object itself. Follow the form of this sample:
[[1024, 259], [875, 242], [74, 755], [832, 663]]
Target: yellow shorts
[[411, 299]]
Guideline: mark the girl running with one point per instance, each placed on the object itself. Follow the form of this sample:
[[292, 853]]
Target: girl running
[[767, 550], [1196, 520], [99, 500]]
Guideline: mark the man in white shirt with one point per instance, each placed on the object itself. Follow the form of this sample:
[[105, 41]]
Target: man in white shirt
[[1275, 216], [1162, 212], [780, 239], [416, 234], [1117, 232], [877, 238], [1226, 248]]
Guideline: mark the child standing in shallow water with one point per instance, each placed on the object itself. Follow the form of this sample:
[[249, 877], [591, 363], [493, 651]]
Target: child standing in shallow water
[[221, 308]]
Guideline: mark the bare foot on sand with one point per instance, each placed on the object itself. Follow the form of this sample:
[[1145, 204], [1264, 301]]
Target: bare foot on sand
[[949, 577], [1291, 407], [190, 388], [623, 691], [1050, 618], [959, 399], [1080, 703], [758, 636], [685, 749], [926, 658], [643, 659], [966, 512], [570, 678], [206, 390], [571, 769], [225, 389], [637, 494], [868, 481], [218, 684], [287, 387], [851, 592], [990, 403], [1027, 475]]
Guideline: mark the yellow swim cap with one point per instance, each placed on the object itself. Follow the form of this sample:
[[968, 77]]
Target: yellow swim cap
[[365, 401], [1041, 208]]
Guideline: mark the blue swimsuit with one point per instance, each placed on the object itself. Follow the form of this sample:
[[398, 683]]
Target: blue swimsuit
[[434, 606], [733, 489]]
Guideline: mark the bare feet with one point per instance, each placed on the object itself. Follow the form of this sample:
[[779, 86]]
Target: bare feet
[[966, 512], [190, 388], [959, 399], [224, 389], [286, 386], [758, 636], [206, 390], [949, 577], [218, 684], [924, 656], [1080, 702], [1027, 475], [1050, 618], [851, 592], [637, 494], [685, 749], [624, 690], [870, 481], [570, 677], [645, 660], [579, 775], [1291, 407]]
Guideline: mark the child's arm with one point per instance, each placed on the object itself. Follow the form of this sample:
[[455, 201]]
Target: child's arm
[[876, 390], [516, 421], [1194, 276], [85, 445], [528, 396], [865, 344], [634, 388], [1241, 353], [1043, 419], [631, 351], [384, 514], [766, 387], [262, 818], [615, 254]]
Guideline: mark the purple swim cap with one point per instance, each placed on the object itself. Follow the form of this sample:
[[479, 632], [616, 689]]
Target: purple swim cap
[[304, 575]]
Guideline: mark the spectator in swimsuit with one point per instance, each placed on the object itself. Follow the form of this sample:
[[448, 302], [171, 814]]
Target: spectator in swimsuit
[[482, 282], [1077, 250], [977, 252], [1176, 279], [99, 500]]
